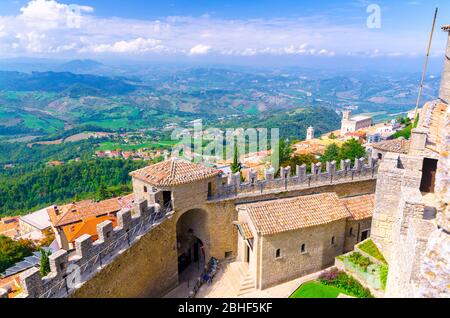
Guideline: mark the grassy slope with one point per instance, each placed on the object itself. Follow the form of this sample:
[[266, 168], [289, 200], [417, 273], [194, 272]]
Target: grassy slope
[[316, 290]]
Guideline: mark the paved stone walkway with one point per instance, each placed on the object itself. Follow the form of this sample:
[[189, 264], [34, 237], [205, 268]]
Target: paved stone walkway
[[187, 280], [223, 288]]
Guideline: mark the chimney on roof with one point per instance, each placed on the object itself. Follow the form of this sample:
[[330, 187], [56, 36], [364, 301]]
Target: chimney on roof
[[444, 91], [55, 207]]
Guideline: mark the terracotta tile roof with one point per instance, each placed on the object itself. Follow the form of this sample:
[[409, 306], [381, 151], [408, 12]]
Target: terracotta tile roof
[[244, 229], [173, 172], [88, 226], [79, 211], [282, 215], [360, 207], [399, 145], [9, 227]]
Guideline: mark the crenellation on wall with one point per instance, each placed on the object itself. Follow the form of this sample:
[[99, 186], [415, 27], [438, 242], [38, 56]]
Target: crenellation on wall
[[360, 171], [105, 231], [124, 219], [83, 246], [58, 262], [90, 257]]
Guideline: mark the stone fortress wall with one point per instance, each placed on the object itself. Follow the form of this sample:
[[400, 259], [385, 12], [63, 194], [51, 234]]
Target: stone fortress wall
[[410, 227], [139, 257], [231, 186]]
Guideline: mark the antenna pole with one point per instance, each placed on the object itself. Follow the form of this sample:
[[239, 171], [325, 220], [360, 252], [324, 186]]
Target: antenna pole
[[425, 67]]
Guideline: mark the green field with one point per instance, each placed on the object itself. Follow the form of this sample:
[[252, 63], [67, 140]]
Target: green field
[[49, 125], [127, 147], [316, 289]]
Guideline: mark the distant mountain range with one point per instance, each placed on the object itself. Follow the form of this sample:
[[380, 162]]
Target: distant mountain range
[[73, 85], [73, 94]]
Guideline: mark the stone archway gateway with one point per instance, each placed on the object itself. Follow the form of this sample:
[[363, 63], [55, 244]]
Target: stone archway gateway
[[192, 243]]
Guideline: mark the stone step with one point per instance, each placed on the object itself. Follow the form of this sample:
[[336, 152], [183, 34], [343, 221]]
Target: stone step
[[240, 277]]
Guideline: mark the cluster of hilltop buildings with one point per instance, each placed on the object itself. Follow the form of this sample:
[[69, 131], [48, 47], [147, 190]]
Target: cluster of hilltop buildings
[[272, 230], [360, 127]]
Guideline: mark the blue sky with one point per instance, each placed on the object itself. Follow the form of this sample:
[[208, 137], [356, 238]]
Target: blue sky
[[218, 29]]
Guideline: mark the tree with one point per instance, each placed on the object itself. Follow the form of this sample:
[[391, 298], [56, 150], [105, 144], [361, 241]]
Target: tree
[[12, 251], [285, 151], [102, 193], [332, 136], [331, 153], [352, 149], [236, 166], [298, 160], [49, 237], [45, 262]]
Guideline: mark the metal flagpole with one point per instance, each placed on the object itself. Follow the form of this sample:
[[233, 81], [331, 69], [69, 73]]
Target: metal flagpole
[[425, 67]]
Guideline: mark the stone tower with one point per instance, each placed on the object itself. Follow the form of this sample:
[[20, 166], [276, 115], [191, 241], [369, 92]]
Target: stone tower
[[310, 133], [346, 114], [444, 92]]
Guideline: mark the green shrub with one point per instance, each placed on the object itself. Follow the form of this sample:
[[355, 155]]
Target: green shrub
[[346, 283], [359, 260], [45, 262]]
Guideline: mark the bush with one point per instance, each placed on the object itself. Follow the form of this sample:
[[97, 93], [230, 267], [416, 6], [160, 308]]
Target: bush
[[345, 282], [359, 260], [45, 262]]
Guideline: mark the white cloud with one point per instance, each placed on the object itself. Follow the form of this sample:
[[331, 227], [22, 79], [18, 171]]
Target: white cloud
[[200, 49], [138, 45], [41, 27], [49, 14]]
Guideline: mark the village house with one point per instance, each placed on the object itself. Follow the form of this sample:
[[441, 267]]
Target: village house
[[355, 123], [284, 239], [55, 163], [357, 227], [71, 221], [9, 226], [33, 226], [380, 149]]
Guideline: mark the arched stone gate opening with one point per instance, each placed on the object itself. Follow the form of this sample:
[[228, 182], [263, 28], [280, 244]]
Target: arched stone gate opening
[[192, 244]]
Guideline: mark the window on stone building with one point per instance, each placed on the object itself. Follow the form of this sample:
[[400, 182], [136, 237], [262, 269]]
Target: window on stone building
[[278, 253], [209, 189], [145, 189], [332, 240], [350, 233], [303, 248]]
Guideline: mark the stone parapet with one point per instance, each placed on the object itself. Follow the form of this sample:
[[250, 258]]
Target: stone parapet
[[71, 270], [362, 170]]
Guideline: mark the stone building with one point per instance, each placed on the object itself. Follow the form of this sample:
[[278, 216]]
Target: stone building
[[33, 225], [183, 214], [411, 220], [73, 220], [310, 133], [358, 225], [353, 124], [379, 149], [288, 238]]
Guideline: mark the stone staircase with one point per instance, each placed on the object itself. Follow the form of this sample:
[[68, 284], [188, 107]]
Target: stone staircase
[[240, 277]]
